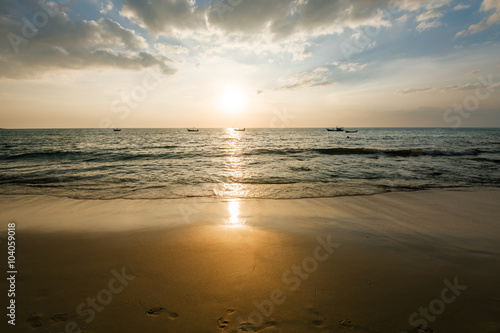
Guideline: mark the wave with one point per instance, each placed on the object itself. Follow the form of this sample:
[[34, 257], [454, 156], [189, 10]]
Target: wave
[[482, 159], [367, 151], [101, 156], [35, 155], [397, 152], [147, 154], [267, 151]]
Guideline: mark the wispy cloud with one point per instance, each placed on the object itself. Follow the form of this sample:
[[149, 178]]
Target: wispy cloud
[[349, 66], [456, 87], [315, 78], [492, 19], [460, 7], [429, 19], [431, 14], [428, 25], [474, 72]]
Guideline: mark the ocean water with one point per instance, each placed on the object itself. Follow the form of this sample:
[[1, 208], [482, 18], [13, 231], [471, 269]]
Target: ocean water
[[256, 163]]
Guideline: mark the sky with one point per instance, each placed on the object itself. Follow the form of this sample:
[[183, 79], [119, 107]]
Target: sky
[[249, 63]]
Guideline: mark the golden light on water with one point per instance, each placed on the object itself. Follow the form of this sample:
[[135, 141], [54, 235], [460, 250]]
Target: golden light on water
[[233, 167]]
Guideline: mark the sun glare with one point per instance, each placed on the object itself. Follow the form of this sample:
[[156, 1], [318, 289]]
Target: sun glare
[[232, 99]]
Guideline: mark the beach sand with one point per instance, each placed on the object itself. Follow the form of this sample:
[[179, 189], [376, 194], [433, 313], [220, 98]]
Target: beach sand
[[381, 263]]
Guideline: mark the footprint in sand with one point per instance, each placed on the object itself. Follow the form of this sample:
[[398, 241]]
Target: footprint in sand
[[223, 322], [345, 323], [249, 327], [318, 323], [246, 327], [423, 329], [156, 311], [58, 317]]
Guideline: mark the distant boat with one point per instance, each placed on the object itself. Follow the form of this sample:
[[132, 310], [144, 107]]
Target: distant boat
[[192, 129], [117, 129], [354, 131], [336, 129], [239, 129]]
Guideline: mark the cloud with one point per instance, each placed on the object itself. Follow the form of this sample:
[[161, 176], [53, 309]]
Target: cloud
[[431, 14], [403, 18], [291, 19], [414, 5], [460, 7], [160, 16], [492, 6], [456, 87], [425, 20], [315, 78], [170, 49], [428, 25], [474, 72], [104, 6], [61, 43], [349, 66], [413, 90], [259, 27], [274, 21], [263, 26]]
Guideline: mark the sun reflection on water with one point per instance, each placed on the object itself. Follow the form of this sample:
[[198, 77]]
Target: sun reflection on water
[[234, 167]]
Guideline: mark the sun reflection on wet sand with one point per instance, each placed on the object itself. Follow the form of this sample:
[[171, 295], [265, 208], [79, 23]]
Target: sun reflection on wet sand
[[234, 219]]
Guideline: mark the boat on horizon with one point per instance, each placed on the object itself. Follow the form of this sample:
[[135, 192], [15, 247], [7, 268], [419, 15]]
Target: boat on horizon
[[192, 129], [117, 129], [239, 129], [352, 131], [336, 129]]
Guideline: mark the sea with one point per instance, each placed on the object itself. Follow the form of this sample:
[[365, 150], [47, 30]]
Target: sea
[[277, 163]]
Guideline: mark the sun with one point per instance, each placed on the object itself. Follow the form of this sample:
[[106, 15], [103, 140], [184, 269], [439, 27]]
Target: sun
[[232, 99]]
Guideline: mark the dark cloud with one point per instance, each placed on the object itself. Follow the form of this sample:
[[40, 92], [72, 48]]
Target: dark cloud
[[165, 16], [59, 43], [248, 18]]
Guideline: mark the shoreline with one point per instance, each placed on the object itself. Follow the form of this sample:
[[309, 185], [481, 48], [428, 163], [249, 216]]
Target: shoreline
[[360, 264], [220, 197], [215, 197]]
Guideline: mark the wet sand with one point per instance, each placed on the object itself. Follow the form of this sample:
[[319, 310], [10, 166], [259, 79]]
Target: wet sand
[[384, 263]]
